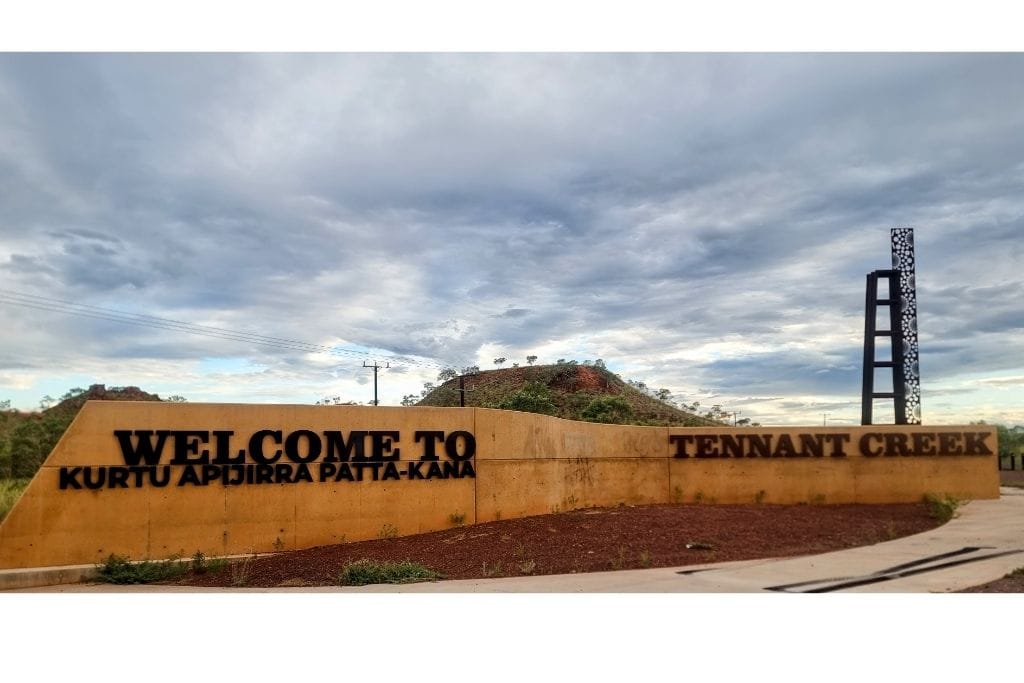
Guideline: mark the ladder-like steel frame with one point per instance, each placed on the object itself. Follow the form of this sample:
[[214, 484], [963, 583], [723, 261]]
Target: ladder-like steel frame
[[895, 334]]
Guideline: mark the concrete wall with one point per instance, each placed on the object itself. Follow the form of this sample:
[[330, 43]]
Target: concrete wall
[[523, 465]]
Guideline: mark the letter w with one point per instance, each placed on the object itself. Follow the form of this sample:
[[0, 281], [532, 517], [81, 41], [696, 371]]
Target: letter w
[[144, 448]]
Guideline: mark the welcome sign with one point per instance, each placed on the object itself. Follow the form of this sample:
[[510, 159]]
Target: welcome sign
[[302, 455], [153, 480]]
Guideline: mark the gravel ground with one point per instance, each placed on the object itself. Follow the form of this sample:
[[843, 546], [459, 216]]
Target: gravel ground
[[598, 539]]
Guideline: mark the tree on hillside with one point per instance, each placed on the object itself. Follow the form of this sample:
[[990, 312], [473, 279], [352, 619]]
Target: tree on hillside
[[499, 361], [410, 400], [530, 360], [608, 410], [532, 398], [447, 374], [470, 369], [176, 399]]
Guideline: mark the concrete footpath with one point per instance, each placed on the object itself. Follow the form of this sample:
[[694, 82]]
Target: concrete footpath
[[984, 543]]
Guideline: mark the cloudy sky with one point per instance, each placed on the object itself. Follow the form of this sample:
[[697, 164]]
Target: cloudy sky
[[703, 223]]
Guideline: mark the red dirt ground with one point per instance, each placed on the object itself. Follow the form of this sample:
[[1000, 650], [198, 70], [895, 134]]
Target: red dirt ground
[[596, 540]]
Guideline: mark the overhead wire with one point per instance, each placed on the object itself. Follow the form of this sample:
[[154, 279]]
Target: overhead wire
[[54, 305]]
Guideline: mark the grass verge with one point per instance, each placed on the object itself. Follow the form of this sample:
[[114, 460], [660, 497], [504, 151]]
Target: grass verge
[[120, 569], [366, 572]]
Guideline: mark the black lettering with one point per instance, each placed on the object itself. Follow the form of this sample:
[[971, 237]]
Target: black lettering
[[451, 470], [784, 447], [467, 469], [283, 473], [451, 446], [138, 472], [390, 472], [143, 450], [189, 476], [69, 478], [680, 440], [302, 473], [706, 446], [381, 443], [210, 473], [974, 443], [327, 470], [896, 444], [224, 457], [429, 441], [434, 472], [313, 446], [812, 445], [759, 445], [160, 482], [265, 472], [949, 443], [117, 478], [101, 477], [238, 470], [344, 472], [256, 446], [339, 451], [731, 446], [187, 442], [923, 443], [837, 441], [414, 470], [865, 445]]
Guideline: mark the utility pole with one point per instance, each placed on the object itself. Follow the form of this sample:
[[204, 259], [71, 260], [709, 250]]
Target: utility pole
[[462, 391], [375, 369], [824, 419]]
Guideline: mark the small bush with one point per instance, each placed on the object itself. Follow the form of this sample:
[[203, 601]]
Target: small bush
[[941, 506], [387, 531], [457, 518], [366, 572], [119, 569], [201, 564]]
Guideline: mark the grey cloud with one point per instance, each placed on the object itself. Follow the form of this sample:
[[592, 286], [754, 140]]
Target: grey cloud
[[530, 197]]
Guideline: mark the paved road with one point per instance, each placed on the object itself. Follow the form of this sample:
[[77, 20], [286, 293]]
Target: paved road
[[985, 542]]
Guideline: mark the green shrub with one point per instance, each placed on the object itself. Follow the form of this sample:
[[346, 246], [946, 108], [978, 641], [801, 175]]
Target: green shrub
[[941, 506], [608, 410], [366, 572], [201, 564], [121, 570], [533, 398]]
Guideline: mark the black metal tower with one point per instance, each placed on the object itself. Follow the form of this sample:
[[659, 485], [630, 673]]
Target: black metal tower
[[902, 304]]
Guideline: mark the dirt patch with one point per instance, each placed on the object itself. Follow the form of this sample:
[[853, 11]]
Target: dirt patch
[[598, 539]]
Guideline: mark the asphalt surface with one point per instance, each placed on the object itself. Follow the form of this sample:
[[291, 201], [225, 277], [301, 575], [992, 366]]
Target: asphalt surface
[[985, 542]]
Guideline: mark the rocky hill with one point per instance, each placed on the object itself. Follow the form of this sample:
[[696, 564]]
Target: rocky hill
[[567, 390]]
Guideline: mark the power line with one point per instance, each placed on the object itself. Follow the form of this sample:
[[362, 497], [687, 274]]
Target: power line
[[113, 315]]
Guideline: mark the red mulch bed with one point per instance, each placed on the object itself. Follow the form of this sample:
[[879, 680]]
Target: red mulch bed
[[596, 540]]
